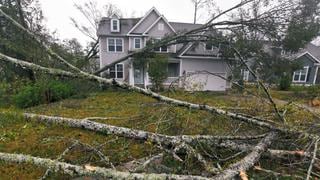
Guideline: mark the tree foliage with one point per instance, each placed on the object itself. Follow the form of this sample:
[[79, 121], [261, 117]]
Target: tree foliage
[[158, 71]]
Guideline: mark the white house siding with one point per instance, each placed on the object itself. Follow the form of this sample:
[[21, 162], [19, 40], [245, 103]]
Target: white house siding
[[204, 81]]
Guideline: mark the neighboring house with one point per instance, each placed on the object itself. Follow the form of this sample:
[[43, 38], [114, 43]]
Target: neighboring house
[[120, 36], [309, 57]]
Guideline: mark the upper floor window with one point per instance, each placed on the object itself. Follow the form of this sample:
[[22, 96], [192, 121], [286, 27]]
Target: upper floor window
[[245, 74], [209, 47], [115, 45], [301, 75], [163, 48], [115, 25], [137, 43], [160, 26]]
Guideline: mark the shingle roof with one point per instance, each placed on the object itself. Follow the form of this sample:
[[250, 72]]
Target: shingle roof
[[178, 26], [125, 23], [312, 49], [128, 23]]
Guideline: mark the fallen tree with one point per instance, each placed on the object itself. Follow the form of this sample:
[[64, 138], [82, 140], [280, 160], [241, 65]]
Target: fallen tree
[[87, 170], [174, 144]]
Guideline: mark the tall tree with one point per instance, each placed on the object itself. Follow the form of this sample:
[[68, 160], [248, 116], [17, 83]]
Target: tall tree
[[92, 13]]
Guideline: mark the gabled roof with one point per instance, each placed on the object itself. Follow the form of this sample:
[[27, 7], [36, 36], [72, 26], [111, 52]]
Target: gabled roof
[[311, 50], [158, 20], [153, 9]]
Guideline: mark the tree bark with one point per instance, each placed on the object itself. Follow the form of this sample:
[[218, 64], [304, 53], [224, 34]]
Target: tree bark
[[74, 170], [249, 161]]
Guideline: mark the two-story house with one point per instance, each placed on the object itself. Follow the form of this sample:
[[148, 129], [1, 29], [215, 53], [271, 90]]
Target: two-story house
[[120, 36]]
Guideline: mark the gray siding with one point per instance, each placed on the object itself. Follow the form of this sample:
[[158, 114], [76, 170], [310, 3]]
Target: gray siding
[[147, 22], [306, 60]]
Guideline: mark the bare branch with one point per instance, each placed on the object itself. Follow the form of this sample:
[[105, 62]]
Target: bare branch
[[249, 161], [313, 159]]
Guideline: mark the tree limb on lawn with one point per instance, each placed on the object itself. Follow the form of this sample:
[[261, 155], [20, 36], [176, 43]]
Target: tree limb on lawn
[[60, 158], [131, 133], [313, 159], [218, 141], [249, 161], [245, 118], [86, 170]]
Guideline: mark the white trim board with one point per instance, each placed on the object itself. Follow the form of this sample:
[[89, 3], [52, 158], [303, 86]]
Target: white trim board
[[307, 52]]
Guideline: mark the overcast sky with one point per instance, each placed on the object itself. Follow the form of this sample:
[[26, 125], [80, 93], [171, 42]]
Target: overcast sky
[[58, 13]]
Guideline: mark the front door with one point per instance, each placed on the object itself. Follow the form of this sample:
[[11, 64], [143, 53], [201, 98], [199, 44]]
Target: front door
[[138, 75]]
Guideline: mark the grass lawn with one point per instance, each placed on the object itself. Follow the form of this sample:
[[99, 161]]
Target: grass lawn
[[127, 109]]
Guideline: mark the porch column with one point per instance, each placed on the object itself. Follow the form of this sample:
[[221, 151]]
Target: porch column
[[131, 72], [315, 75]]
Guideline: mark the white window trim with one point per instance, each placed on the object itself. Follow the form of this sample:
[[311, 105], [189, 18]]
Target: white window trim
[[115, 50], [161, 48], [134, 43], [205, 49], [118, 25], [116, 71], [301, 81], [245, 74]]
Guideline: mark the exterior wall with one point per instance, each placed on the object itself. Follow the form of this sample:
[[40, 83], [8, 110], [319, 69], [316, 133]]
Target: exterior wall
[[147, 22], [306, 61], [155, 32], [131, 42], [109, 57], [213, 83]]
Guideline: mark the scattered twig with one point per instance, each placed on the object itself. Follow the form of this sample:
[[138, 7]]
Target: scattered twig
[[60, 158], [313, 159]]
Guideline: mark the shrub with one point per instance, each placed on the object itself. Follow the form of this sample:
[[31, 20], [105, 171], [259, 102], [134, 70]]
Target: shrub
[[28, 96], [57, 91], [313, 91], [284, 83], [42, 92]]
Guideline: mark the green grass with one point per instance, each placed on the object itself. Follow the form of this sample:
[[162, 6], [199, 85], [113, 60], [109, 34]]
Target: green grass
[[137, 111]]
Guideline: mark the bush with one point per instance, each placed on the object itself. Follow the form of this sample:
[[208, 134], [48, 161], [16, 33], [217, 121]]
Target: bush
[[57, 91], [42, 92], [313, 91], [285, 83], [28, 96], [158, 71]]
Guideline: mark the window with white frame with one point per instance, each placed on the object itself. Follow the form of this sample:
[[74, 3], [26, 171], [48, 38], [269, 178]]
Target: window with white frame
[[245, 74], [173, 69], [117, 72], [137, 43], [115, 25], [163, 48], [115, 45], [301, 75], [209, 47]]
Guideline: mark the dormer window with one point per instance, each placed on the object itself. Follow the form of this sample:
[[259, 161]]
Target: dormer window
[[115, 25]]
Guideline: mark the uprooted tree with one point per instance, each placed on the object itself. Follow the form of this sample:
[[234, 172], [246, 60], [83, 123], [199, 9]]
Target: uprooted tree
[[251, 21]]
